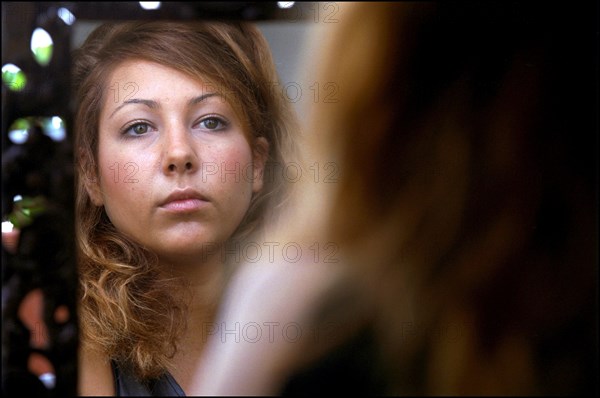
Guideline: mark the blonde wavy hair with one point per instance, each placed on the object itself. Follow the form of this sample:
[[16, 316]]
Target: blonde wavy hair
[[126, 309]]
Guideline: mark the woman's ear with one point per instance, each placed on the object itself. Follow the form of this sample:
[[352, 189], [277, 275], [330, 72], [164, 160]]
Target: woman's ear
[[90, 179], [259, 158]]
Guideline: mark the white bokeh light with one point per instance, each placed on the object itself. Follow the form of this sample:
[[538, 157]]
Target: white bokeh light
[[150, 5]]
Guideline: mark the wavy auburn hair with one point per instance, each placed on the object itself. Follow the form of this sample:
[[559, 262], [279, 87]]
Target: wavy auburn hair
[[126, 309]]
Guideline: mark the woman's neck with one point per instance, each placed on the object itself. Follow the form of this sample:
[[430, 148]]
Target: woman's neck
[[203, 282]]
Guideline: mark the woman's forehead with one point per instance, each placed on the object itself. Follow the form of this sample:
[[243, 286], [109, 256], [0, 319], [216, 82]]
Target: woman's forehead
[[141, 79]]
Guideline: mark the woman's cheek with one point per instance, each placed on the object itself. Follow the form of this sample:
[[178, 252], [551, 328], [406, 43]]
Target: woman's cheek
[[125, 183], [235, 162]]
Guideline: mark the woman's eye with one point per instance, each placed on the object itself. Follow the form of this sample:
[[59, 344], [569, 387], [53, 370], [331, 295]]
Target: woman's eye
[[213, 123], [138, 129]]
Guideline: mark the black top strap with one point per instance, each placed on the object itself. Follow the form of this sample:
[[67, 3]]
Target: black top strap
[[126, 384]]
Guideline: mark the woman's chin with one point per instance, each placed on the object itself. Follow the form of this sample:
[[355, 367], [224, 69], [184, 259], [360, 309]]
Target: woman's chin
[[192, 250]]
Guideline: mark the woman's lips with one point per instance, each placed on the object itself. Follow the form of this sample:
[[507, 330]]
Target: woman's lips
[[184, 201], [184, 205]]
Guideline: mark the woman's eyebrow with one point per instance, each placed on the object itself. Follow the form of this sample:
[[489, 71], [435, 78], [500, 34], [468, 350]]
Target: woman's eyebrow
[[201, 98], [155, 105], [149, 103]]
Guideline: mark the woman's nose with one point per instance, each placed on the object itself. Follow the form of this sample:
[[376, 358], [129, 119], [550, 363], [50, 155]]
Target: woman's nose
[[179, 152]]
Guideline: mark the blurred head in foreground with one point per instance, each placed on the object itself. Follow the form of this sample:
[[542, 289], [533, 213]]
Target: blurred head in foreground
[[465, 137]]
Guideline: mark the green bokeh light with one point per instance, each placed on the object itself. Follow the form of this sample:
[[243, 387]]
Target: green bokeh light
[[41, 46], [43, 55], [13, 77]]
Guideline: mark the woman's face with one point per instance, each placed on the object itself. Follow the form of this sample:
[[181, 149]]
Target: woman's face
[[176, 169]]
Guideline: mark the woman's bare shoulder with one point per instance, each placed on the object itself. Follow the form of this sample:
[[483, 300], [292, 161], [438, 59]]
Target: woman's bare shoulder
[[95, 373]]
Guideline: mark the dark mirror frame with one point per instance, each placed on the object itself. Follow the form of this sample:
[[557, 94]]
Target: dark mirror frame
[[39, 275]]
